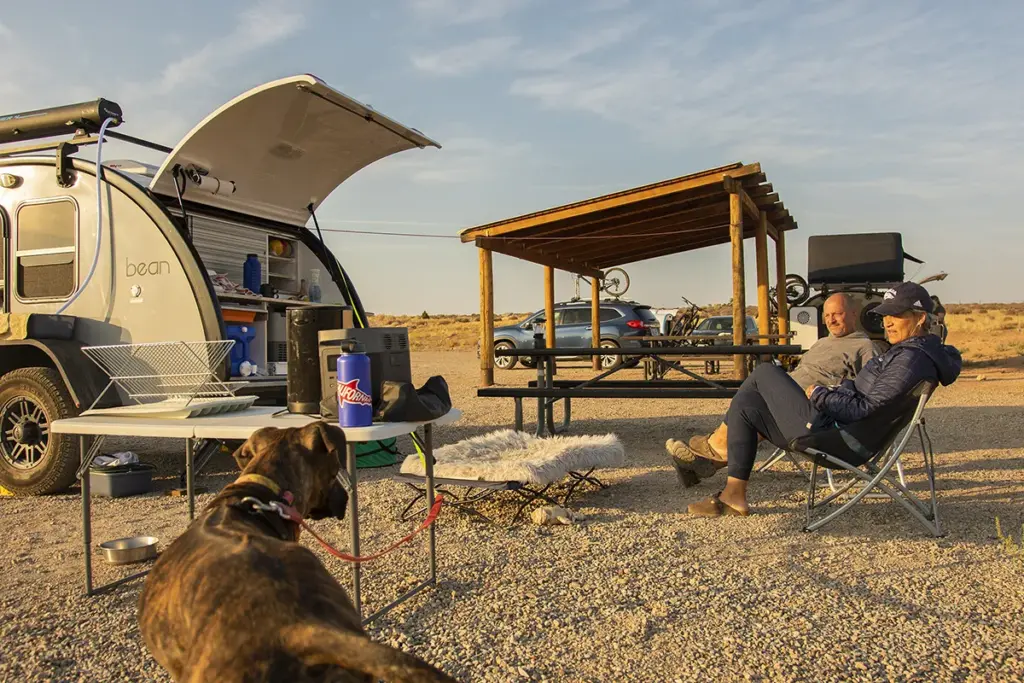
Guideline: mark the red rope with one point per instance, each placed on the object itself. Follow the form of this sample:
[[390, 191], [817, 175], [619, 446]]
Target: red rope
[[434, 511]]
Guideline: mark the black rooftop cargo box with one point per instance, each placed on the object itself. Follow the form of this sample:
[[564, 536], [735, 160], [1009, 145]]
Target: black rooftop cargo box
[[875, 257]]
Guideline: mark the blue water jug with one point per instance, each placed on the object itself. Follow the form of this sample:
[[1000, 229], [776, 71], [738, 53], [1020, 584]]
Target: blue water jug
[[355, 394], [252, 278]]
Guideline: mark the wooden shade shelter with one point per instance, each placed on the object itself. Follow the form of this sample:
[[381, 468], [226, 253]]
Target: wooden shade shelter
[[721, 205]]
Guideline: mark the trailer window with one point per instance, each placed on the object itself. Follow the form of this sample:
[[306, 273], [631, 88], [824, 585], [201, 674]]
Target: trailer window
[[45, 250]]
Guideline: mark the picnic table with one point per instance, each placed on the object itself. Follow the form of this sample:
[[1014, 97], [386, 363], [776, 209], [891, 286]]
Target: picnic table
[[240, 426], [548, 391]]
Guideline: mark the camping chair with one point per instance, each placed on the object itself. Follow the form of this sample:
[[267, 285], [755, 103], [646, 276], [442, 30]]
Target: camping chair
[[887, 434], [781, 453]]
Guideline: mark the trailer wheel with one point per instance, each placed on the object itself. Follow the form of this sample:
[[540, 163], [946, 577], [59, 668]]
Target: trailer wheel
[[32, 460]]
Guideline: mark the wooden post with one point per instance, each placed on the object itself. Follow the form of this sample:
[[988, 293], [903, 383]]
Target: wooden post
[[739, 299], [763, 312], [486, 318], [780, 285], [595, 318], [549, 307]]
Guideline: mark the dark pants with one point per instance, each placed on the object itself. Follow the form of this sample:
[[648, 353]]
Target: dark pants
[[768, 403]]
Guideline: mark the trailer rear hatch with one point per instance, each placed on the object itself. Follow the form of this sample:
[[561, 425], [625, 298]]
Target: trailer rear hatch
[[273, 150]]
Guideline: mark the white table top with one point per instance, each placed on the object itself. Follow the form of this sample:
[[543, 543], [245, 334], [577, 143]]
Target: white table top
[[236, 426]]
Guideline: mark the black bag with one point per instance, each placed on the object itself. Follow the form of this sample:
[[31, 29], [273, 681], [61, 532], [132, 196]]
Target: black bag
[[401, 402]]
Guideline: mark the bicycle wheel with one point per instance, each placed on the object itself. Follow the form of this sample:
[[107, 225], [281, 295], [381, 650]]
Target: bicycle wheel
[[617, 284]]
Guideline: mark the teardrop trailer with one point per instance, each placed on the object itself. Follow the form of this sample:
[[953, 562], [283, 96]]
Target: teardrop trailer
[[131, 256]]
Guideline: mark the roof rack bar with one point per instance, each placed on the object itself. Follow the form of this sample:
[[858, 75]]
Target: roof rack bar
[[78, 140], [139, 141]]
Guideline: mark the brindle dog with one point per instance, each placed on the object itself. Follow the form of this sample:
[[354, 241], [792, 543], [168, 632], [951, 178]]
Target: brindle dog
[[237, 598]]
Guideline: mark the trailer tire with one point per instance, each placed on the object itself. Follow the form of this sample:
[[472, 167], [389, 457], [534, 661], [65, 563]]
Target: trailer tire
[[32, 462]]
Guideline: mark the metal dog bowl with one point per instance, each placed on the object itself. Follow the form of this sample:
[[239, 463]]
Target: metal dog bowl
[[130, 549]]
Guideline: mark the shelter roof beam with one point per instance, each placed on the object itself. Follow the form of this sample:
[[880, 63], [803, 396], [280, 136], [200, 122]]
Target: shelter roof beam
[[572, 265]]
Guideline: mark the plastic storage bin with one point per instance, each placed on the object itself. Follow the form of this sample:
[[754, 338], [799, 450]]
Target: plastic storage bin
[[122, 480], [243, 336]]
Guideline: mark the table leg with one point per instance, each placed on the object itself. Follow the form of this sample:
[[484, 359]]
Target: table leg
[[428, 465], [353, 520], [190, 478], [86, 516]]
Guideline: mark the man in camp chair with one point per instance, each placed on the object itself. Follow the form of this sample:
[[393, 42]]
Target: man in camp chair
[[770, 403], [828, 362]]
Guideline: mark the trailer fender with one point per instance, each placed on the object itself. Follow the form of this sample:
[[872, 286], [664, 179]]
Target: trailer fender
[[83, 379]]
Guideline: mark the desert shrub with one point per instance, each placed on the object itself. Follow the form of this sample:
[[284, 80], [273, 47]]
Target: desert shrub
[[968, 319], [1011, 547], [425, 315]]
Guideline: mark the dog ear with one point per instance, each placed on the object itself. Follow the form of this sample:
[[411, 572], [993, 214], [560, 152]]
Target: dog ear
[[321, 435], [244, 454]]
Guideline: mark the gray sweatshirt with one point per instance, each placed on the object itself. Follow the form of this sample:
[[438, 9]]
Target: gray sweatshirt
[[833, 359]]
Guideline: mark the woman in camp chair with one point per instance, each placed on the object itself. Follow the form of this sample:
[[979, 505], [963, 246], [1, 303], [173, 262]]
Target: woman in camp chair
[[770, 405]]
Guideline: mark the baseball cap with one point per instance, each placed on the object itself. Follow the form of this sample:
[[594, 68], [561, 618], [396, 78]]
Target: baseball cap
[[906, 296]]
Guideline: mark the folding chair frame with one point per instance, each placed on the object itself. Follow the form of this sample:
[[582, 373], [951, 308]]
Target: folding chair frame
[[781, 453], [876, 473]]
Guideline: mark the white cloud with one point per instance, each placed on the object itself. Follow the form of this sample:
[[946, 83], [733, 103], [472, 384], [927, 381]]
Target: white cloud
[[500, 51], [256, 28], [466, 58], [814, 90], [580, 44], [466, 159], [465, 11]]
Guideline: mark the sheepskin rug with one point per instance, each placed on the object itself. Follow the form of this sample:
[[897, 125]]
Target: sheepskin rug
[[508, 455]]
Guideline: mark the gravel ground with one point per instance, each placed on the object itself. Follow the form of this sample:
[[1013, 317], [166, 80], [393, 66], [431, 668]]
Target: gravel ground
[[638, 590]]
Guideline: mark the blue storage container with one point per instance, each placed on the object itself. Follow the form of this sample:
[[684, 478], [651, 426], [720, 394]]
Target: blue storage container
[[243, 336]]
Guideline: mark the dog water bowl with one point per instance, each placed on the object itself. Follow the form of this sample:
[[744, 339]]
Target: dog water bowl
[[131, 549]]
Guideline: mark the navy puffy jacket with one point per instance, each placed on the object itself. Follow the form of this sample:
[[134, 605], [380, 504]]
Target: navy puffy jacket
[[889, 377]]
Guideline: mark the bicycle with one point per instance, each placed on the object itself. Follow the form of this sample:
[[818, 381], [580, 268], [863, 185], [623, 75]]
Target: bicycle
[[681, 324], [685, 321], [615, 285]]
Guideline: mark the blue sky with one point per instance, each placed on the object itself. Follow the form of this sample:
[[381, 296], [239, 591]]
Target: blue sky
[[866, 116]]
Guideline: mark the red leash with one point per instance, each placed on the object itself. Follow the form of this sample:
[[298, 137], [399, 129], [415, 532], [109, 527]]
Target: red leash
[[289, 512]]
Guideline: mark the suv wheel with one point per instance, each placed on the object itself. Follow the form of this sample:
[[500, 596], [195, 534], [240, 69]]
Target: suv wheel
[[609, 361], [504, 362], [34, 461]]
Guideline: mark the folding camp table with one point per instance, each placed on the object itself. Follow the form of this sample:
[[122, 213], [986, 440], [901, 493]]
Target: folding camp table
[[240, 426]]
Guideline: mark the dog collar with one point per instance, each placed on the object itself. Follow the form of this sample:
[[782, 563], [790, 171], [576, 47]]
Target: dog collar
[[280, 518], [261, 480]]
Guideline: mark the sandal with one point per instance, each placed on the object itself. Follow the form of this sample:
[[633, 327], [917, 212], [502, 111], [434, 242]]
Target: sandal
[[694, 460], [701, 447], [687, 477], [713, 507]]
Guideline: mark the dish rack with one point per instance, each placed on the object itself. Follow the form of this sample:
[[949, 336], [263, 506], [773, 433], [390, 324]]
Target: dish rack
[[178, 378]]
